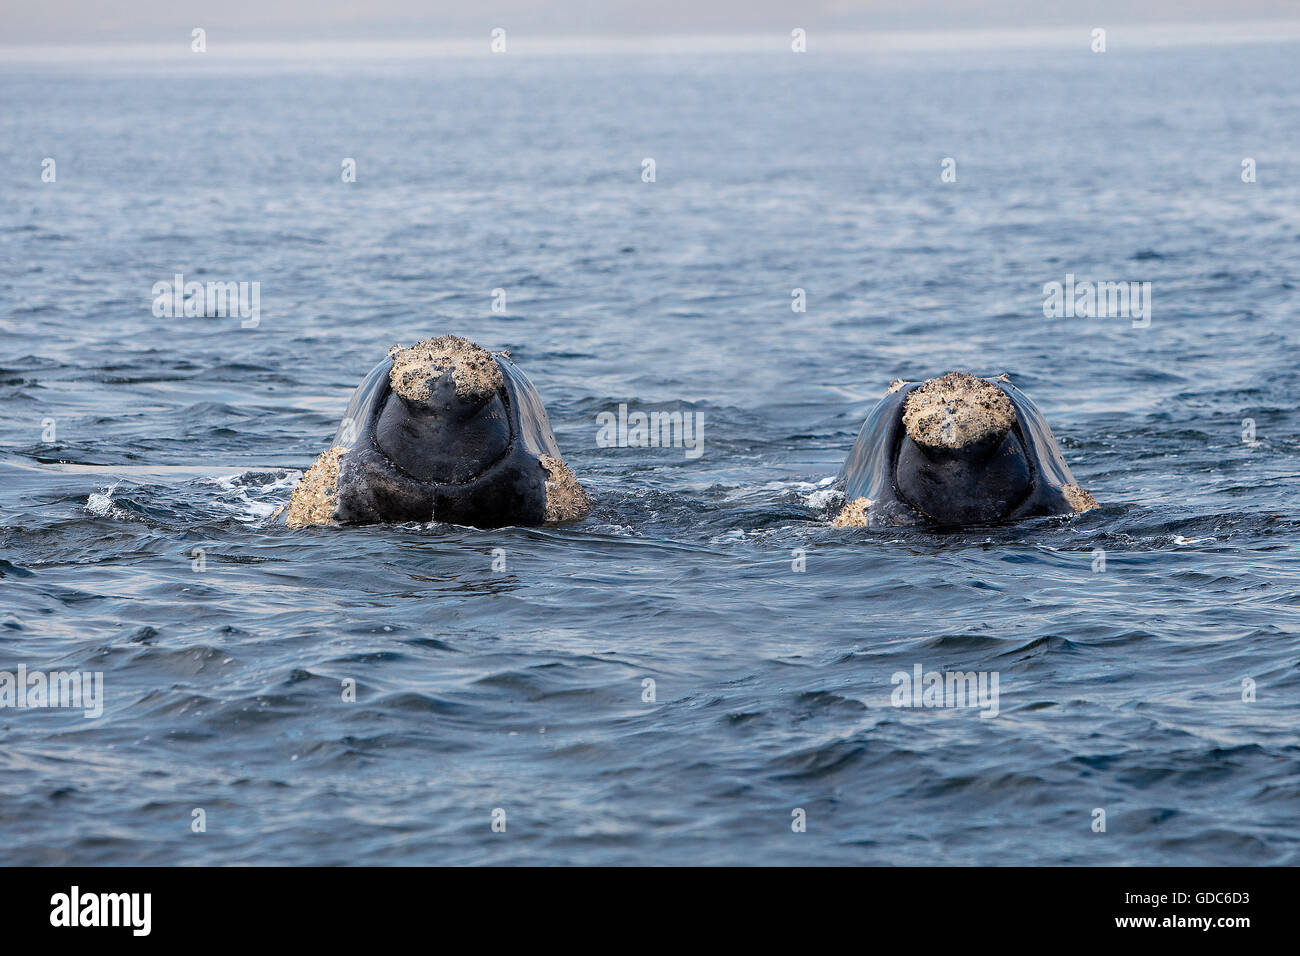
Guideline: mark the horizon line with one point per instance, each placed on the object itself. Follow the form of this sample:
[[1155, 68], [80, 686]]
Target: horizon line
[[1120, 36]]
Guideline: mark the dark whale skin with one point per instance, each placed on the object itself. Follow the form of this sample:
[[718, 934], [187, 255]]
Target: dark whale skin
[[1025, 476], [485, 472]]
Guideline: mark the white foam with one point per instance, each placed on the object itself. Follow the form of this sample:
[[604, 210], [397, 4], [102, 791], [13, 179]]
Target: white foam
[[825, 498], [100, 504], [253, 502]]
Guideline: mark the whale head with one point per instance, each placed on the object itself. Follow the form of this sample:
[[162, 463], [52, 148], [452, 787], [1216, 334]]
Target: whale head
[[954, 451], [442, 430], [960, 460]]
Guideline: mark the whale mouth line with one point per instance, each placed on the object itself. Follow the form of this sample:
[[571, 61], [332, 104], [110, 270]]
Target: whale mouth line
[[484, 471]]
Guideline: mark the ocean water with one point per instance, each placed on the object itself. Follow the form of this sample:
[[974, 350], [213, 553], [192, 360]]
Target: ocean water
[[141, 458]]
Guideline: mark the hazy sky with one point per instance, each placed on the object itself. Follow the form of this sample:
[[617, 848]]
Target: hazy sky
[[250, 21]]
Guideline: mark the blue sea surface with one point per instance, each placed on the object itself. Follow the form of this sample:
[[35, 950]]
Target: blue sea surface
[[142, 457]]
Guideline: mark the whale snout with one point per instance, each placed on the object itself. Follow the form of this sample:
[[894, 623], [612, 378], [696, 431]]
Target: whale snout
[[958, 413]]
